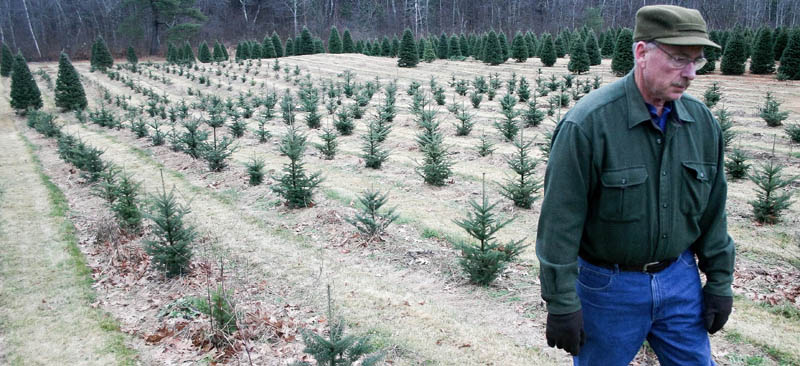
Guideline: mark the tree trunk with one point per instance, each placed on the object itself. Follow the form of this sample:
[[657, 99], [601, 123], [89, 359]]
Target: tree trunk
[[30, 27], [155, 42]]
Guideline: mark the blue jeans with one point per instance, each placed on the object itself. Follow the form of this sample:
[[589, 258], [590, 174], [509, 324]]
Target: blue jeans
[[622, 309]]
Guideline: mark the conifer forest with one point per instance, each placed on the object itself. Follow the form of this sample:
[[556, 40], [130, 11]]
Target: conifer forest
[[345, 182]]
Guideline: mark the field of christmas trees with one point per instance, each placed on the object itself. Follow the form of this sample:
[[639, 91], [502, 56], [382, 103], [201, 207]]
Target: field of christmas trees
[[270, 201]]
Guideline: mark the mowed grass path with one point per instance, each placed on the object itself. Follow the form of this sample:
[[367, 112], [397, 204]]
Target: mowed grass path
[[45, 292]]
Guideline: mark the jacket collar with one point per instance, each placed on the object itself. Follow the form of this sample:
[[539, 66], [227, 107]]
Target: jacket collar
[[637, 110]]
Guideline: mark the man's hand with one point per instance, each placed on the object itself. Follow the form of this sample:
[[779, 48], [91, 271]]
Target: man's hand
[[565, 331], [716, 311]]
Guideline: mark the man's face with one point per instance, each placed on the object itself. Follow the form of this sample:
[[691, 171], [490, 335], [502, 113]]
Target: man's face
[[662, 79]]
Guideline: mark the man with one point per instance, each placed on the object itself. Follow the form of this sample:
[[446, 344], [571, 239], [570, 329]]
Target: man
[[634, 190]]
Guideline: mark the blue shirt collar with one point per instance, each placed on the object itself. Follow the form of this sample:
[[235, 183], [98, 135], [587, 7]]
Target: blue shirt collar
[[659, 121]]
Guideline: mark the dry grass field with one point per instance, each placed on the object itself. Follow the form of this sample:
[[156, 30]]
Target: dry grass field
[[406, 289]]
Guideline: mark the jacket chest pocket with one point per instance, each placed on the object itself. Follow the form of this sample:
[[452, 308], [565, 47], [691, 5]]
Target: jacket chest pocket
[[696, 187], [623, 194]]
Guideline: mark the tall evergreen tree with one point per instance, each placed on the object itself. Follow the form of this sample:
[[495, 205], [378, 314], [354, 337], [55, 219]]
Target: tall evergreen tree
[[519, 48], [622, 62], [790, 60], [428, 55], [295, 186], [734, 57], [203, 53], [188, 53], [276, 42], [504, 45], [386, 47], [306, 45], [172, 54], [578, 58], [69, 90], [781, 39], [101, 57], [255, 50], [463, 44], [395, 46], [548, 53], [763, 60], [289, 49], [609, 44], [24, 91], [217, 52], [408, 55], [592, 49], [334, 41], [493, 54], [453, 46], [441, 50], [347, 42], [179, 18], [559, 46], [268, 48], [131, 56], [6, 61], [709, 67]]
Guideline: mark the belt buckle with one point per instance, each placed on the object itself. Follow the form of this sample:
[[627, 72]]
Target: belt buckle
[[644, 268]]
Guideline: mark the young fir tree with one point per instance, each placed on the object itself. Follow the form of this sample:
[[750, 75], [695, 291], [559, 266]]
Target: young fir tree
[[204, 53], [217, 52], [793, 131], [408, 56], [734, 56], [126, 206], [338, 349], [578, 58], [763, 60], [24, 91], [172, 54], [519, 48], [131, 56], [485, 259], [726, 125], [609, 44], [504, 45], [493, 54], [592, 49], [770, 201], [69, 90], [428, 55], [736, 166], [712, 95], [441, 47], [334, 41], [453, 47], [622, 62], [255, 171], [435, 168], [522, 188], [790, 60], [188, 53], [267, 48], [101, 57], [547, 54], [559, 45], [6, 61], [771, 112], [306, 45], [373, 153], [295, 186], [171, 247], [371, 221], [347, 42], [781, 37], [329, 144]]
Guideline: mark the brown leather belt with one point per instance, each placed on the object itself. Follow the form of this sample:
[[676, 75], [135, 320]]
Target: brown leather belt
[[652, 267]]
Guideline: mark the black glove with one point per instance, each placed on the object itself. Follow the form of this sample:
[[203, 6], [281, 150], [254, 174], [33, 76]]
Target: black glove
[[717, 310], [565, 331]]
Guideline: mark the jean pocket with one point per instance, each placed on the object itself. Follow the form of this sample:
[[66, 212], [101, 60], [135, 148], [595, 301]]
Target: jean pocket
[[687, 258], [594, 280], [696, 186], [622, 197]]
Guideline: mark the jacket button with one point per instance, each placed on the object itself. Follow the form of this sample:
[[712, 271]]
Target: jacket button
[[664, 236], [624, 181]]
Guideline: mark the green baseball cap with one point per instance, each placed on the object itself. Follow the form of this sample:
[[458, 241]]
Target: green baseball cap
[[672, 25]]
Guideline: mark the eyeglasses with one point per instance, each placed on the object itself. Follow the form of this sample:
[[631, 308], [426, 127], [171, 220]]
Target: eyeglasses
[[679, 62]]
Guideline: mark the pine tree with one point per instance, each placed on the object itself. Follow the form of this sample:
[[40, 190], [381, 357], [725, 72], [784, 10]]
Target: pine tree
[[770, 201], [442, 47], [763, 60], [6, 61], [771, 112], [435, 168], [131, 56], [371, 221], [126, 206], [395, 46], [329, 145], [734, 56], [295, 186], [255, 50], [494, 55], [217, 56], [781, 39], [408, 56], [522, 188], [69, 90], [276, 42], [306, 45], [737, 166], [463, 45], [334, 41], [559, 46], [268, 48], [609, 44], [347, 42], [428, 55], [172, 54], [188, 53], [289, 47], [790, 60], [338, 349], [578, 58], [386, 47], [24, 91], [548, 53], [519, 48], [453, 47], [712, 95], [622, 62], [726, 125], [203, 53], [710, 66], [171, 249], [592, 49], [319, 47], [101, 58], [483, 261], [504, 46]]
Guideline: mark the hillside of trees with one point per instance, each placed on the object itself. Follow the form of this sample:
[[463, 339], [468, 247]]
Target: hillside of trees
[[41, 29]]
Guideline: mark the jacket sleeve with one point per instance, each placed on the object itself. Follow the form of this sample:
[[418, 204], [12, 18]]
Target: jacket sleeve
[[715, 249], [567, 186]]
